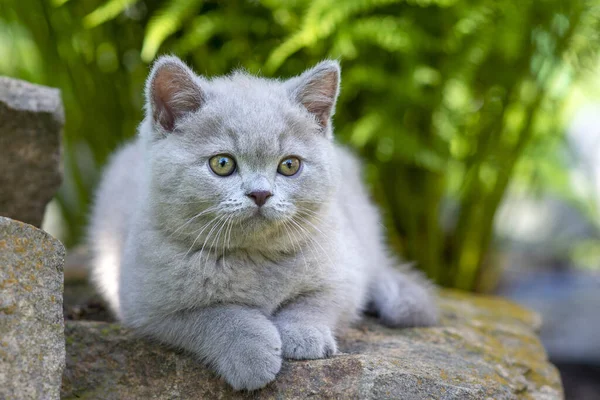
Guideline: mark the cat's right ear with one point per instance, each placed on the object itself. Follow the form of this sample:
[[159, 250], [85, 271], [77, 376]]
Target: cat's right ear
[[172, 92]]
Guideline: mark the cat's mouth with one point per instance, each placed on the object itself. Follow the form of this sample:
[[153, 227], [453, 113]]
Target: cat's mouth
[[262, 215], [253, 215]]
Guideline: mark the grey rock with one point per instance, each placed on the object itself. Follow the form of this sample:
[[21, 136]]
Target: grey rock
[[31, 120], [32, 347], [485, 348]]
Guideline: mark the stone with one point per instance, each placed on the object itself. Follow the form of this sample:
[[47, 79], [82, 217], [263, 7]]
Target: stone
[[32, 346], [31, 121], [485, 348]]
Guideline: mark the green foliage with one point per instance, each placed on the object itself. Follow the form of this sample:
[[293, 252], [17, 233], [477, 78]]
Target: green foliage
[[166, 22], [448, 101]]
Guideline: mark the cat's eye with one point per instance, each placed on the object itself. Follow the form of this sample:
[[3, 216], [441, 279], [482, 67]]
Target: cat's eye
[[222, 164], [289, 166]]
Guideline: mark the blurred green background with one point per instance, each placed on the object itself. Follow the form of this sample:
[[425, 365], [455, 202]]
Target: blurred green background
[[453, 104]]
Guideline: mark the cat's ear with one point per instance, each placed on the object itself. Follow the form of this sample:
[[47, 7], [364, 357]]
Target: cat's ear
[[172, 92], [317, 90]]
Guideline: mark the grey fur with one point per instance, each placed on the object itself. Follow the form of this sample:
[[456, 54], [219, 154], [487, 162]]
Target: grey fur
[[184, 256]]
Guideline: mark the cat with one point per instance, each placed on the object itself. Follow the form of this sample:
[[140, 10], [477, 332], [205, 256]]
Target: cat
[[234, 226]]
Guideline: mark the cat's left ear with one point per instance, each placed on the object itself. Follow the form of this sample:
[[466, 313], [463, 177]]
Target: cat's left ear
[[172, 92], [317, 90]]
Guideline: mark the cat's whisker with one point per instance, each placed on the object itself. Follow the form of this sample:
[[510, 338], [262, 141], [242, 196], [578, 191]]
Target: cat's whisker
[[235, 221], [360, 208], [302, 219], [300, 245], [222, 229], [191, 219], [199, 234], [316, 215], [214, 242], [201, 229], [310, 241], [318, 219], [227, 237], [285, 224], [199, 202], [292, 241], [190, 270], [317, 243], [220, 218], [227, 224], [201, 253]]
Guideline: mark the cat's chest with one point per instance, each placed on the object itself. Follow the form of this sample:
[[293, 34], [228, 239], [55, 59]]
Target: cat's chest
[[248, 278]]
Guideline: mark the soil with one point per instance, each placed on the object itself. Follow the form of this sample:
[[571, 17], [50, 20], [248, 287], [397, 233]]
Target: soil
[[81, 302]]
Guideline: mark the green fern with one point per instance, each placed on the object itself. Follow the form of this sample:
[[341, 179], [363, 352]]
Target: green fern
[[166, 22], [106, 12]]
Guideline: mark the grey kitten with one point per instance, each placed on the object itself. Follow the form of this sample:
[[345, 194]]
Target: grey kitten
[[235, 227]]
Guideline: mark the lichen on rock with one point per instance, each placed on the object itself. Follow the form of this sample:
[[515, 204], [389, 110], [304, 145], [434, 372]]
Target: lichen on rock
[[485, 348], [32, 347]]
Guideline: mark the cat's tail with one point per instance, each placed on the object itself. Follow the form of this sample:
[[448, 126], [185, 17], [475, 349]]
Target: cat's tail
[[403, 297]]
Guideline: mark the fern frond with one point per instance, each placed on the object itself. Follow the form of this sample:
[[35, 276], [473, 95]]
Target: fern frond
[[166, 22], [324, 17], [391, 34], [106, 12], [201, 30], [365, 128]]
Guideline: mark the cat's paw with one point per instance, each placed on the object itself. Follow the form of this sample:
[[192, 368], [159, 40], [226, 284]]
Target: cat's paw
[[401, 302], [252, 362], [305, 341]]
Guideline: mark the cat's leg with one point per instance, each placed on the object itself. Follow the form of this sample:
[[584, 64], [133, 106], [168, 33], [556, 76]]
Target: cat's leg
[[402, 299], [306, 327], [241, 344]]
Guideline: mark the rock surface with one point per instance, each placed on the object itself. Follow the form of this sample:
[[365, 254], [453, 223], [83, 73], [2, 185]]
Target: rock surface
[[486, 348], [31, 120], [32, 347]]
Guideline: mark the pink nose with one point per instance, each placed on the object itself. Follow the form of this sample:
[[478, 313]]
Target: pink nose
[[260, 196]]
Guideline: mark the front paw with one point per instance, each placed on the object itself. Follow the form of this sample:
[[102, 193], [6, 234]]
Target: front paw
[[305, 341], [253, 361]]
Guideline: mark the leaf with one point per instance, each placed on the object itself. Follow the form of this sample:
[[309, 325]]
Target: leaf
[[324, 17], [106, 12], [201, 30], [166, 22]]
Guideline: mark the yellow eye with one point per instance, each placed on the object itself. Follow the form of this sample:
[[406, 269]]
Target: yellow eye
[[222, 164], [289, 166]]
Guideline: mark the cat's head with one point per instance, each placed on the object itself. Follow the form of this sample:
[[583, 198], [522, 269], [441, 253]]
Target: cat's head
[[239, 159]]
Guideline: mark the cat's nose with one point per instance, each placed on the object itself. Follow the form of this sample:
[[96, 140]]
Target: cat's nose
[[260, 196]]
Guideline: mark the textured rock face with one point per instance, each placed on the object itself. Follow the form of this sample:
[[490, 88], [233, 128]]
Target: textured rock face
[[31, 120], [485, 349], [32, 347]]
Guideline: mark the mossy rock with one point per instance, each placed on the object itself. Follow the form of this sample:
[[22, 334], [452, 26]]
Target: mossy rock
[[485, 348], [32, 347]]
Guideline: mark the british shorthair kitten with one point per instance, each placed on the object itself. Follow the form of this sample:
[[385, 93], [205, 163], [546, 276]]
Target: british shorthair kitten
[[234, 226]]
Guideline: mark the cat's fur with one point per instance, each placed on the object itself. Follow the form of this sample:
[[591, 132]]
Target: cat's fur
[[186, 257]]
